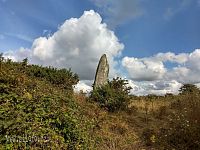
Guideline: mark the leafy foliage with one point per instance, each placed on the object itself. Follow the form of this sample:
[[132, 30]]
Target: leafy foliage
[[37, 102], [62, 77], [112, 96]]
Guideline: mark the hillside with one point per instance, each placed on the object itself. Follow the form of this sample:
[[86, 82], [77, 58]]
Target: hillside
[[39, 110]]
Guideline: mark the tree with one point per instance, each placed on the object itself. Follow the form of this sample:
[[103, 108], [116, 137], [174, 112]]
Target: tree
[[1, 57], [1, 60], [25, 62], [188, 89]]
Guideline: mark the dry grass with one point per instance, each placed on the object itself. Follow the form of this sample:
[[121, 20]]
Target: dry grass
[[120, 130], [111, 130], [144, 104], [135, 128]]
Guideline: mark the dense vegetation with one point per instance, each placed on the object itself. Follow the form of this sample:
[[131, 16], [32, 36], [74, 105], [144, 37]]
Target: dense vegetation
[[113, 96], [39, 110]]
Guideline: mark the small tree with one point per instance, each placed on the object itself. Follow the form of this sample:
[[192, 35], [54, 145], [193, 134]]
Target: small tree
[[188, 89], [112, 96], [1, 57], [9, 61], [25, 62], [1, 60]]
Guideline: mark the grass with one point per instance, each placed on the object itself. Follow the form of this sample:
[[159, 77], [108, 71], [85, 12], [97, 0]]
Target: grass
[[142, 125]]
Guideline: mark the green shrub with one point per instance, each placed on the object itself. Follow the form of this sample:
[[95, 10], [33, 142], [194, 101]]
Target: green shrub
[[44, 117], [62, 77], [36, 114], [113, 95]]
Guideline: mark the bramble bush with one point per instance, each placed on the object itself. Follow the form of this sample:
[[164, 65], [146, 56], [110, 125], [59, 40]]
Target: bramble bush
[[113, 96], [32, 106]]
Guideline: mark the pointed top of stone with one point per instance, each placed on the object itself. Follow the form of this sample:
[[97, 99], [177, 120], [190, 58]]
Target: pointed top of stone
[[101, 77], [104, 55]]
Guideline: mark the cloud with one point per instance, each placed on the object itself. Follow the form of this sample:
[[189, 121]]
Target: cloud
[[185, 68], [77, 44], [154, 87], [194, 60], [144, 69], [18, 55], [181, 74], [198, 85], [118, 12], [169, 56], [83, 86], [138, 88], [189, 71]]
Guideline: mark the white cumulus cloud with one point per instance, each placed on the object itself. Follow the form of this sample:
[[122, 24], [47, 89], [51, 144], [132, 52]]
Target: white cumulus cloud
[[77, 44], [194, 60], [159, 87], [169, 56], [154, 87], [144, 69], [18, 55], [83, 86], [185, 68]]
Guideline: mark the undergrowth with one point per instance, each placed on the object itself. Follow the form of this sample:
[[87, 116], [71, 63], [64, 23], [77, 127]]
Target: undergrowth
[[39, 110]]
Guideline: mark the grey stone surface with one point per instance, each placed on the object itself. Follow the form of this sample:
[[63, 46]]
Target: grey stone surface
[[102, 72]]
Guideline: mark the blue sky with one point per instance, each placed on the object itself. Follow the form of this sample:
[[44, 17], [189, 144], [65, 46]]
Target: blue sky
[[171, 25], [155, 44]]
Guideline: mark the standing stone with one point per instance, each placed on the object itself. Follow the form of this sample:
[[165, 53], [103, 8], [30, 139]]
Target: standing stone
[[101, 77]]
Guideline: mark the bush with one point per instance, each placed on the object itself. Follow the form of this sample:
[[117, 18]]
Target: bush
[[182, 130], [36, 114], [43, 118], [60, 77], [113, 95]]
